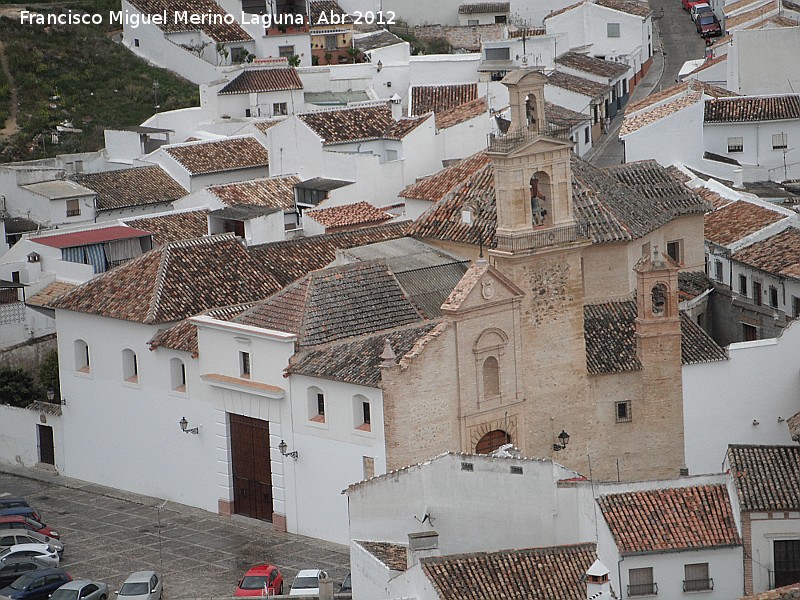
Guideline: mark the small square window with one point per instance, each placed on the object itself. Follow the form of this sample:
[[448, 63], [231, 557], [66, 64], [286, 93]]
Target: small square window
[[466, 466], [623, 411], [516, 471], [743, 285], [472, 22], [696, 578], [286, 51], [675, 251], [780, 141], [73, 208], [244, 365], [136, 42], [735, 144], [612, 29], [280, 109], [500, 19]]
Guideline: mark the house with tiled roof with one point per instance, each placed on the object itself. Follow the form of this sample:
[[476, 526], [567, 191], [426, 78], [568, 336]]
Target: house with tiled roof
[[172, 226], [581, 95], [483, 13], [255, 91], [673, 540], [331, 29], [614, 74], [343, 218], [764, 488], [619, 31], [195, 165]]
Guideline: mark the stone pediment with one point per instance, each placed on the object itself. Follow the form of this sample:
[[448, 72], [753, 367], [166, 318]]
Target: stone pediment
[[480, 286], [538, 144]]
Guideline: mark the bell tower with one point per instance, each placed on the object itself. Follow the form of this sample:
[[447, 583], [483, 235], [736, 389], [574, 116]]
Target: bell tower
[[533, 174]]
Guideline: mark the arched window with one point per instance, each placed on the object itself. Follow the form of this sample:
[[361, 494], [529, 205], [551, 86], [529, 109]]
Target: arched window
[[492, 441], [491, 377], [177, 372], [659, 299], [316, 405], [362, 413], [82, 356], [130, 366]]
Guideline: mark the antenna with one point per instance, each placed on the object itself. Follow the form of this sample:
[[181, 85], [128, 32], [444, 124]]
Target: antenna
[[594, 500]]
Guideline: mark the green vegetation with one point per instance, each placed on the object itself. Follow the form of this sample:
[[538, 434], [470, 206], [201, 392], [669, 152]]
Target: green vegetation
[[48, 374], [78, 74], [17, 387], [418, 45]]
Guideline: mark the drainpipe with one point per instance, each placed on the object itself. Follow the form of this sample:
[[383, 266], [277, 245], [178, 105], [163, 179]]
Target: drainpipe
[[619, 575]]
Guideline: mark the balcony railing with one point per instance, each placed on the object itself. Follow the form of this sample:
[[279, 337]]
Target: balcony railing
[[698, 585], [643, 589], [542, 238], [503, 143]]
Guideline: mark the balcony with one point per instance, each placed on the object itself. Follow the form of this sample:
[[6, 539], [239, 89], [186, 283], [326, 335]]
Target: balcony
[[698, 585], [643, 589], [505, 143], [543, 238]]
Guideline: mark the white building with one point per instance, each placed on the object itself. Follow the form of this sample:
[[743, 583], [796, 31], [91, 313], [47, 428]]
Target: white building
[[255, 92]]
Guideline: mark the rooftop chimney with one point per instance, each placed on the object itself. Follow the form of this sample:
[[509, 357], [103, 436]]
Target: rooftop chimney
[[598, 586], [422, 545]]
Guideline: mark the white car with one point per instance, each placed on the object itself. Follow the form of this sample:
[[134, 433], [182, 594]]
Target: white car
[[307, 582], [699, 9], [12, 537], [45, 553]]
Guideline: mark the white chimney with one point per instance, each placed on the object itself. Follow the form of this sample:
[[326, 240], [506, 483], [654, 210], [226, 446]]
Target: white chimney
[[422, 545], [397, 108], [598, 587], [738, 179]]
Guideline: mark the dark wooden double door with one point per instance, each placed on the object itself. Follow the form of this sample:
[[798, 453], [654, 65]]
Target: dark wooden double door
[[252, 472]]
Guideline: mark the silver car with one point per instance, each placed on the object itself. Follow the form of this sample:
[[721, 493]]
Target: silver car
[[12, 537], [142, 585], [81, 589], [44, 552]]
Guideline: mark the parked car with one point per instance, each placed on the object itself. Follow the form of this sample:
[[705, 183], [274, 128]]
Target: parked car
[[307, 582], [346, 585], [698, 9], [20, 522], [44, 552], [688, 4], [25, 511], [708, 25], [36, 585], [142, 585], [81, 589], [11, 537], [12, 502], [261, 580], [14, 568]]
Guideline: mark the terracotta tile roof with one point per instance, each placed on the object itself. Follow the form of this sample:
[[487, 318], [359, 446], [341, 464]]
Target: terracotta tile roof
[[767, 478], [578, 85], [328, 8], [274, 192], [794, 6], [678, 174], [182, 225], [394, 556], [793, 423], [203, 158], [564, 117], [565, 9], [377, 39], [183, 335], [654, 182], [632, 7], [50, 293], [731, 8], [738, 220], [751, 15], [358, 124], [751, 108], [275, 79], [218, 32], [687, 518], [484, 7], [336, 303], [594, 66], [710, 63], [174, 282], [440, 98], [290, 260], [439, 184], [779, 254], [348, 215], [712, 197], [693, 283], [357, 361], [262, 126], [641, 119], [690, 85], [132, 187], [787, 592], [529, 574], [462, 113], [774, 21], [609, 333], [608, 330]]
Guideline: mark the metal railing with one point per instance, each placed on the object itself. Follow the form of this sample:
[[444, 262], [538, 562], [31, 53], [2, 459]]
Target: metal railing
[[542, 238], [643, 589], [698, 585], [503, 143]]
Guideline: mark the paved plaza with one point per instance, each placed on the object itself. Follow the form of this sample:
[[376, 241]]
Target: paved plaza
[[108, 534]]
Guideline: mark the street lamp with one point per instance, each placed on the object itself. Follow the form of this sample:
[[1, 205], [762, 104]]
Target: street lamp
[[563, 439], [283, 447], [185, 427]]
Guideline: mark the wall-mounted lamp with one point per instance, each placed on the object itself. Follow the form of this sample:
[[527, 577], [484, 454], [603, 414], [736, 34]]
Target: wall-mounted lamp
[[563, 439], [380, 66], [51, 395], [185, 427], [282, 447], [755, 422]]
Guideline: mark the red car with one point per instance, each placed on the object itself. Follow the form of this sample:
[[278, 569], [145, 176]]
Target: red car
[[688, 4], [20, 522], [261, 580]]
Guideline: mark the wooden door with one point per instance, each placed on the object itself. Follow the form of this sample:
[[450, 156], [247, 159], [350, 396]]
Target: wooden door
[[252, 473], [47, 452]]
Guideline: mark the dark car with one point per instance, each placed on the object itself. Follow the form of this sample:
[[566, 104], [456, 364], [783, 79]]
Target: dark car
[[36, 585], [708, 25], [14, 568], [346, 586], [11, 502]]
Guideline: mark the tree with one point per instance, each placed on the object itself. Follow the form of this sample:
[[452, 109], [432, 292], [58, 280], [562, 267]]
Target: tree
[[17, 387], [294, 60], [48, 373], [354, 52]]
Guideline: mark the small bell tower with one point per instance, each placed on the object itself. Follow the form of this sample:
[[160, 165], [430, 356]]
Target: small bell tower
[[533, 173]]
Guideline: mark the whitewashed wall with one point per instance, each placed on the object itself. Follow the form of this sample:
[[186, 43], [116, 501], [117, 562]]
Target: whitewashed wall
[[764, 531], [751, 69], [679, 135], [19, 445]]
